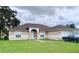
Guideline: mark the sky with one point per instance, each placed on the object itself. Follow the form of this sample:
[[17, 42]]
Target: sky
[[48, 15]]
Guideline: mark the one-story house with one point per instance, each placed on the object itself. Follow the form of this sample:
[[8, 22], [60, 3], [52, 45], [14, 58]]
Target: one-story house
[[39, 31]]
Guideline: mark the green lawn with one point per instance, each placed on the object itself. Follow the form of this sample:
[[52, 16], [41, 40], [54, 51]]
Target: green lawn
[[41, 46]]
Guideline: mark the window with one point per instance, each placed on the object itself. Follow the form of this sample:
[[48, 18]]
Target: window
[[18, 34], [42, 35]]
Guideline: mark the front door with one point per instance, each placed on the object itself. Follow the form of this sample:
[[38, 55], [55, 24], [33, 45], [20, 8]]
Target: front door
[[33, 34]]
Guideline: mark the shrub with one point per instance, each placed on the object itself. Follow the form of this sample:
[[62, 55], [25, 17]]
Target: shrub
[[6, 37]]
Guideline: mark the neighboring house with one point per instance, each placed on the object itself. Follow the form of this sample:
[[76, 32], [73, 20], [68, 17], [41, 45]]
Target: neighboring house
[[39, 31]]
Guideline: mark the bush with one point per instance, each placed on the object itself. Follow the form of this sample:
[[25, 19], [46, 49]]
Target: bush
[[2, 39], [6, 37], [71, 39]]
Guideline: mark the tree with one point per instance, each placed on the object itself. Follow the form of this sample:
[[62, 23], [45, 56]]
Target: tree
[[71, 25], [7, 19]]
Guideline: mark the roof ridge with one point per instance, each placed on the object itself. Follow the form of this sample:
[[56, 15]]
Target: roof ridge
[[33, 24]]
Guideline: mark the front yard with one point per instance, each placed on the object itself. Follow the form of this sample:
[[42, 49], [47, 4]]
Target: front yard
[[41, 46]]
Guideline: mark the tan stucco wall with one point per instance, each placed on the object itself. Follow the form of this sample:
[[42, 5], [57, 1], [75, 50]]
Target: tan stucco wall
[[27, 35], [38, 35], [53, 35], [12, 36], [24, 33]]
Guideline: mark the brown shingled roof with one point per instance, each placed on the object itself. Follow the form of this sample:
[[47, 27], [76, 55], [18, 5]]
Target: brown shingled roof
[[60, 27], [41, 27], [30, 25]]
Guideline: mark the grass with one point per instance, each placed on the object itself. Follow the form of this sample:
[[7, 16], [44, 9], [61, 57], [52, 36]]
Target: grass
[[38, 46]]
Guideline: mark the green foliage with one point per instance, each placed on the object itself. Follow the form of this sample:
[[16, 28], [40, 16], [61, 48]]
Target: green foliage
[[71, 25], [7, 19], [4, 38]]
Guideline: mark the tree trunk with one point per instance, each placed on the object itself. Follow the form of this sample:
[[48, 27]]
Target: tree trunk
[[0, 34]]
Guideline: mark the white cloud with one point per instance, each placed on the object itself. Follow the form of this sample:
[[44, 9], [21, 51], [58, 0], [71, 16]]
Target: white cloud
[[48, 15], [23, 15]]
